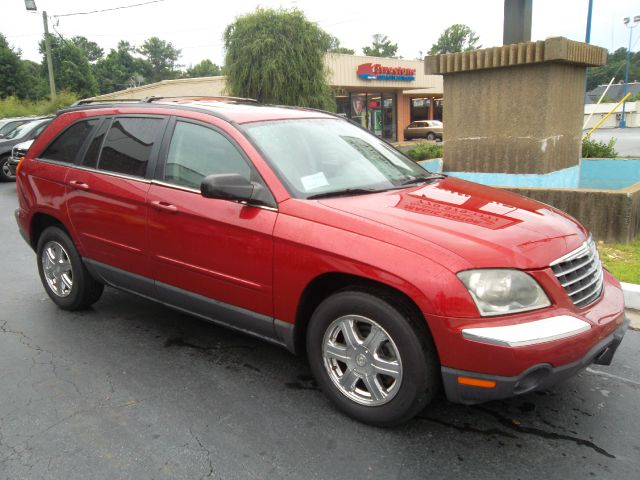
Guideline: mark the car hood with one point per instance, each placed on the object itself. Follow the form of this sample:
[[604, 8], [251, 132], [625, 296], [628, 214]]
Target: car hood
[[488, 227]]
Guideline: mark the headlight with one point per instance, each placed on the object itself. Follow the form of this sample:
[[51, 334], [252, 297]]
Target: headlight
[[502, 291]]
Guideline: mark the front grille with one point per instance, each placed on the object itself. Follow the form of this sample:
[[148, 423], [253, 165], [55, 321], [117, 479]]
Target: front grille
[[18, 153], [580, 274]]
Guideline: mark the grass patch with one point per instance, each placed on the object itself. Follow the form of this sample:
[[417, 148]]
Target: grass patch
[[623, 260], [14, 107]]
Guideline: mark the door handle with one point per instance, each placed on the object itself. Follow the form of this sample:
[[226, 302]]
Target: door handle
[[79, 185], [167, 207]]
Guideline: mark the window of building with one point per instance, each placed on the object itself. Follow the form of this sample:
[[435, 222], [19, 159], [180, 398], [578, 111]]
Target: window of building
[[65, 148], [127, 148], [197, 151]]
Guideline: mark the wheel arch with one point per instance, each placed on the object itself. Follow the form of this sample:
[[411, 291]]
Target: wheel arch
[[39, 222], [326, 284]]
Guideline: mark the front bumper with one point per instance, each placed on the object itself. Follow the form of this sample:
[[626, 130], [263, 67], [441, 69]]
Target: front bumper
[[537, 377]]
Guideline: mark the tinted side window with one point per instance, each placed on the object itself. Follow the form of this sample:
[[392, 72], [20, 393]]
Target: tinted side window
[[127, 148], [68, 144], [196, 151]]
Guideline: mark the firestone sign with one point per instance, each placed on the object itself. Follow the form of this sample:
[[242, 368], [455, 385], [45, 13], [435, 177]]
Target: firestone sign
[[375, 71]]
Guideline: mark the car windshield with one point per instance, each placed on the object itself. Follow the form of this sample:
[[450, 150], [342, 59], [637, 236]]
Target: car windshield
[[22, 130], [10, 127], [436, 123], [321, 156]]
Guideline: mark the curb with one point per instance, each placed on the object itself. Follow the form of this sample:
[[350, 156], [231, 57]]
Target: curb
[[631, 295]]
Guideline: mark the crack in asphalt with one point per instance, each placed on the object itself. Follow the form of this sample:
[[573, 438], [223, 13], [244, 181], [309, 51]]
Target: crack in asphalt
[[543, 433], [466, 427], [208, 452]]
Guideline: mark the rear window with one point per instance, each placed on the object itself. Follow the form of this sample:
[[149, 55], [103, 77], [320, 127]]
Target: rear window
[[65, 148], [128, 146]]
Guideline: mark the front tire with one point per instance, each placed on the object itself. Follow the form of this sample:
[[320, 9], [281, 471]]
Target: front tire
[[62, 272], [431, 136], [372, 357], [5, 171]]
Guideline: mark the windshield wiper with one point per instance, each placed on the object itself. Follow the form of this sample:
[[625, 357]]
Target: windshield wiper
[[423, 178], [344, 192]]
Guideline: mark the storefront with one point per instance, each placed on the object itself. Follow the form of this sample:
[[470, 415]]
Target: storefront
[[384, 95]]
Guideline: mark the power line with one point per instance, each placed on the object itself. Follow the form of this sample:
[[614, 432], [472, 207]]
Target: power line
[[108, 9]]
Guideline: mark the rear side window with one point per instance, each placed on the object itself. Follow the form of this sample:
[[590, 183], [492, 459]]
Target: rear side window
[[198, 151], [129, 144], [65, 148]]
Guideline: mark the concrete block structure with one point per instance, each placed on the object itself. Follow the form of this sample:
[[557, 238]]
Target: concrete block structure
[[517, 108]]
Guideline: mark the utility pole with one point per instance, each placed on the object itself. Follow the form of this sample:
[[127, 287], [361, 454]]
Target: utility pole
[[587, 37], [630, 25], [47, 44]]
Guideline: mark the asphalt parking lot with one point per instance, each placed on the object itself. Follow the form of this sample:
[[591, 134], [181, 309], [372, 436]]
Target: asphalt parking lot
[[133, 390]]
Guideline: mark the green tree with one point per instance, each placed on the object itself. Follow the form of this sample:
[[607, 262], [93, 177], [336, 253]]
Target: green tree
[[91, 50], [71, 68], [336, 48], [9, 69], [381, 46], [277, 56], [614, 68], [119, 69], [206, 68], [33, 86], [456, 38], [162, 57]]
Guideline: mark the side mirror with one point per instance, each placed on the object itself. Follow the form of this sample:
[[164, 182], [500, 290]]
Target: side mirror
[[227, 186]]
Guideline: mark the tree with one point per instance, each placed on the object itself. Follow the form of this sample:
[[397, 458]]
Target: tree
[[33, 85], [9, 69], [91, 50], [456, 38], [381, 47], [162, 57], [277, 56], [71, 68], [614, 68], [336, 48], [120, 69], [206, 68]]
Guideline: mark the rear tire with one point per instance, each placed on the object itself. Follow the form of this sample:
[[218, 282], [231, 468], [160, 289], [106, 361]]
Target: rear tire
[[372, 357], [62, 272]]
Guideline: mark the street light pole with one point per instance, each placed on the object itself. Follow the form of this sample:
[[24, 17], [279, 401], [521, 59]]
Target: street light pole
[[47, 46], [630, 26], [31, 7]]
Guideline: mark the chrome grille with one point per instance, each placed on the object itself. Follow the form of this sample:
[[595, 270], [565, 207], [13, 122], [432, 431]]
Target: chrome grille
[[580, 274], [18, 153]]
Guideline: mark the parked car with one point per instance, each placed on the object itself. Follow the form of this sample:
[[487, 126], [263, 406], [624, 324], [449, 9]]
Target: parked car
[[429, 129], [17, 152], [26, 131], [307, 231], [7, 125]]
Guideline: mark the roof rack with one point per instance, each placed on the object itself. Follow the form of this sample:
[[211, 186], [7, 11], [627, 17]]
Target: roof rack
[[88, 101], [152, 98], [200, 97]]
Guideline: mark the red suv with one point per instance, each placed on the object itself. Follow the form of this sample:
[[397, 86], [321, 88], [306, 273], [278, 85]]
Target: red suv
[[305, 230]]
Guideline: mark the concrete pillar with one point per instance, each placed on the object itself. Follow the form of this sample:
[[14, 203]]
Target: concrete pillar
[[402, 114], [516, 108], [517, 21]]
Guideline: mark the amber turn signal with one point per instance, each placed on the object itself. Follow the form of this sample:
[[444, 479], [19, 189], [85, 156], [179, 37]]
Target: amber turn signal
[[476, 382]]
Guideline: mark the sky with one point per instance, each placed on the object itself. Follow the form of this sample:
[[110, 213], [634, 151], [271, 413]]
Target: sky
[[196, 26]]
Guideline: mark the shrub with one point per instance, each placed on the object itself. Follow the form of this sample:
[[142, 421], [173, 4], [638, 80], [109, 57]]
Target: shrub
[[13, 107], [596, 149], [425, 151]]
